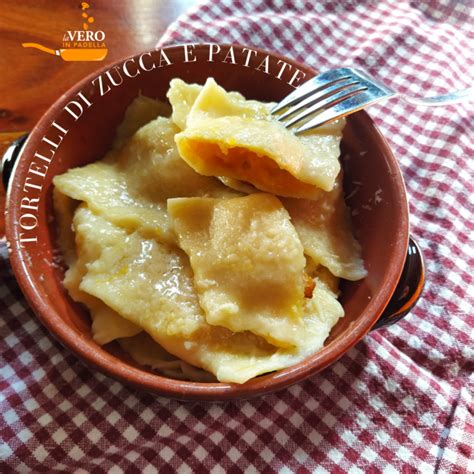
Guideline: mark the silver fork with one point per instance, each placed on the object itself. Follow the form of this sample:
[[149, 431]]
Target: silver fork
[[340, 92]]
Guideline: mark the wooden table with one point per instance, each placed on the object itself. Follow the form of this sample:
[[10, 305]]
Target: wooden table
[[31, 80]]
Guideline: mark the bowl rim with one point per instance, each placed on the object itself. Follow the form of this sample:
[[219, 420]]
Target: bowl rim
[[183, 390]]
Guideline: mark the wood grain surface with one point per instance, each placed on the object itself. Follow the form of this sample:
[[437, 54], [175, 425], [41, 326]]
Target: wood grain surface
[[30, 80]]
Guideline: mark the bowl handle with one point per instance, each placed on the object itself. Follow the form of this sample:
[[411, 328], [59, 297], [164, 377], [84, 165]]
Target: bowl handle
[[408, 290], [10, 157]]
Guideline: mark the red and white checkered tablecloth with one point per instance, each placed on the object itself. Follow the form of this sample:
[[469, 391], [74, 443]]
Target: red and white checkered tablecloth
[[401, 400]]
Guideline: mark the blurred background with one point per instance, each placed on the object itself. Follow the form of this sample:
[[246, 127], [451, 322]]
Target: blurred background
[[30, 80]]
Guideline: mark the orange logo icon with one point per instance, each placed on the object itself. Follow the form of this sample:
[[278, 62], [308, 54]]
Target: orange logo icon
[[79, 45]]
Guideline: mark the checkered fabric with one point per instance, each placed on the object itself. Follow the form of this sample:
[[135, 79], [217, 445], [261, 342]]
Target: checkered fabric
[[401, 400]]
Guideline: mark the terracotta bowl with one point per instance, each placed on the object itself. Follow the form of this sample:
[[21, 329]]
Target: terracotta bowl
[[373, 184]]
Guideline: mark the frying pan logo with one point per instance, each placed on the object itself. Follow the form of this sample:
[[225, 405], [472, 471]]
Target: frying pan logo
[[79, 45]]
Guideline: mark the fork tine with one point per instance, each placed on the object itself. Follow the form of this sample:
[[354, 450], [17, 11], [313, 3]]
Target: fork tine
[[325, 103], [313, 98], [350, 105], [313, 85]]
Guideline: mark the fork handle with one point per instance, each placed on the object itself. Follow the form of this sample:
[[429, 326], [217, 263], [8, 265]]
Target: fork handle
[[451, 98]]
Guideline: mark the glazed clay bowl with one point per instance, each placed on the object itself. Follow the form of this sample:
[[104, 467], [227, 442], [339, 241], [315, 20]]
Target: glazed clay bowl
[[79, 129]]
